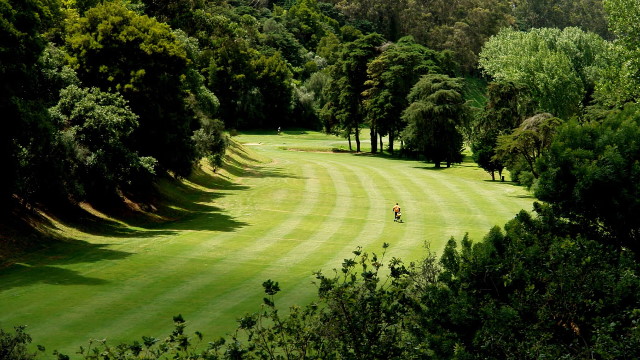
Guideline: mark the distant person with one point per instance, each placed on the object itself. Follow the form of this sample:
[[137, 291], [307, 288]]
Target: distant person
[[278, 130], [396, 212]]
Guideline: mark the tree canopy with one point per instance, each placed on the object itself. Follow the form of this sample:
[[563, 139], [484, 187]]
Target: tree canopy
[[391, 75], [116, 49], [557, 67], [436, 109], [591, 172]]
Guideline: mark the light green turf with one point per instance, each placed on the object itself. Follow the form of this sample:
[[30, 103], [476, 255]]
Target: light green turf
[[274, 212]]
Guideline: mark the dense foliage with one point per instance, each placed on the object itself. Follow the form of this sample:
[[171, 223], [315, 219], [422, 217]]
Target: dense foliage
[[115, 49], [190, 69], [98, 98], [591, 175], [556, 67]]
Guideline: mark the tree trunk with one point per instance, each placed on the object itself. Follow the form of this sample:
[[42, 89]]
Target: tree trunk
[[381, 146], [374, 143], [391, 140], [493, 176], [357, 140], [349, 137]]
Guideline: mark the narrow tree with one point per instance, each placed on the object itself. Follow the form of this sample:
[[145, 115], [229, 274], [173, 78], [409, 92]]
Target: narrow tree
[[350, 75], [484, 152], [507, 105], [437, 109]]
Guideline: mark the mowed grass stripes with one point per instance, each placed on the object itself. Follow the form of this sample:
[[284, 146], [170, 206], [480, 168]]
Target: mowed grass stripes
[[273, 212]]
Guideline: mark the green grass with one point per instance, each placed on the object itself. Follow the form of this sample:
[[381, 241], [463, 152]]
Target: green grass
[[273, 212]]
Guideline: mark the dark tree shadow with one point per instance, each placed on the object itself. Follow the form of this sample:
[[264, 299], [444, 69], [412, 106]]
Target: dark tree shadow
[[18, 275], [239, 169], [43, 265], [173, 205], [431, 168], [240, 151]]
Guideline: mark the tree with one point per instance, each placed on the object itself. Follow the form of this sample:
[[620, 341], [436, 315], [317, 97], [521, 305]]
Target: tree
[[391, 76], [461, 27], [557, 68], [349, 77], [24, 117], [437, 108], [588, 15], [538, 289], [279, 38], [620, 78], [14, 346], [307, 23], [383, 16], [527, 143], [177, 13], [591, 174], [115, 49], [96, 129], [273, 82], [507, 105], [484, 151], [211, 142], [358, 315]]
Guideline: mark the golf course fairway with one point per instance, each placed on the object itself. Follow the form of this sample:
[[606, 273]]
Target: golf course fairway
[[282, 207]]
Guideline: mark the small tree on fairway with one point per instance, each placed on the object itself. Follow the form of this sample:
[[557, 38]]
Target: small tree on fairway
[[437, 109], [484, 154], [527, 142]]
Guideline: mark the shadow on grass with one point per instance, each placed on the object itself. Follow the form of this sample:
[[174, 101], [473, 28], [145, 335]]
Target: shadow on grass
[[524, 197], [239, 169], [235, 149], [19, 275], [37, 245], [82, 220], [431, 168], [176, 205], [504, 183], [211, 221], [43, 266]]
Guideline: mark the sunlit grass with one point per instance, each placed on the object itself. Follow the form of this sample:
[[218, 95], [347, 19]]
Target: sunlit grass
[[282, 207]]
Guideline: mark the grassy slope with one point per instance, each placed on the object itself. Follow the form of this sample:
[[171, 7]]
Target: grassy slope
[[271, 213]]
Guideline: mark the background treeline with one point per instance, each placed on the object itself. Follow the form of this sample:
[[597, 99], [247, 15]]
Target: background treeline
[[101, 97]]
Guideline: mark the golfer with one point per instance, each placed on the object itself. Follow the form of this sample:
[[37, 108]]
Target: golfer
[[396, 211]]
